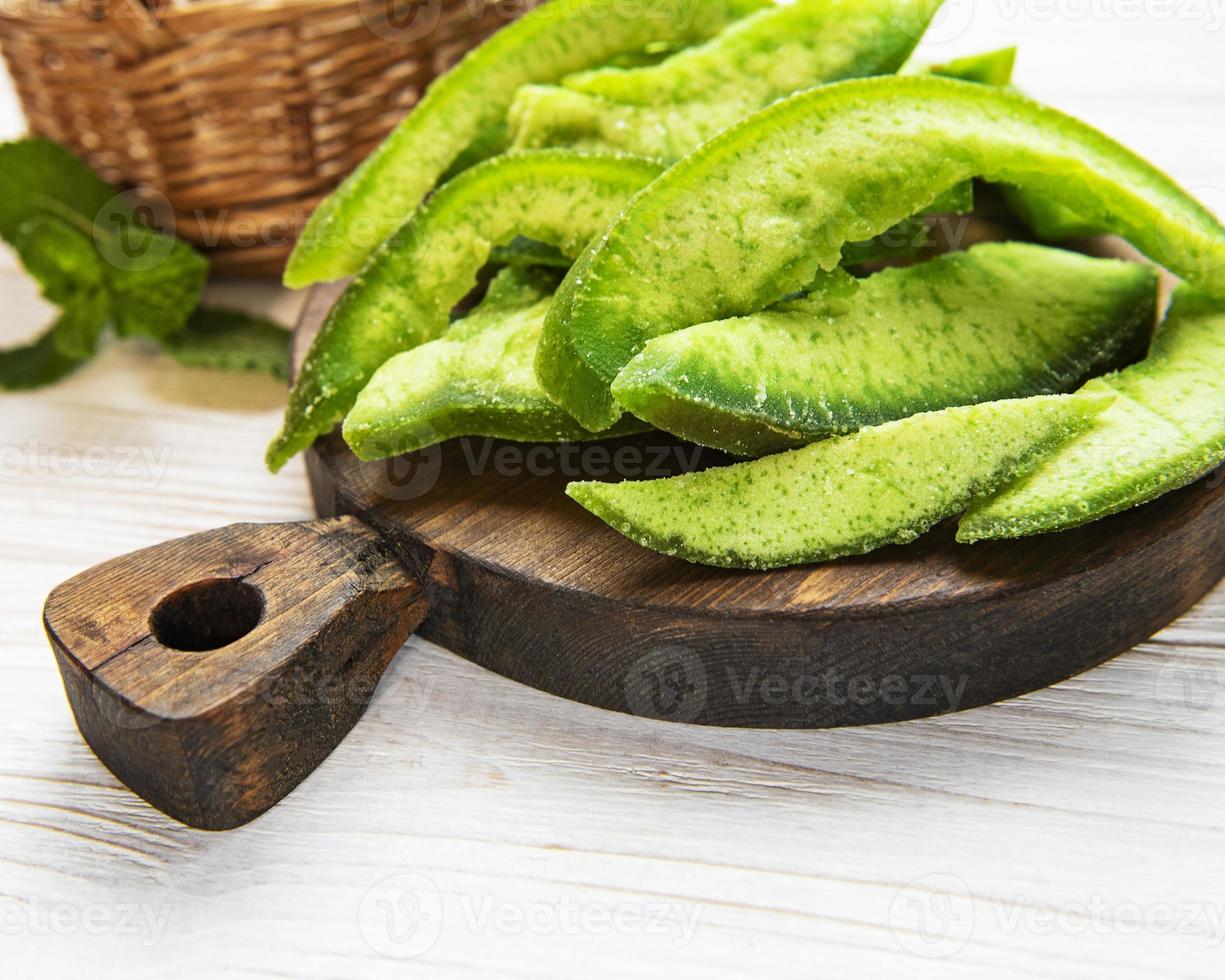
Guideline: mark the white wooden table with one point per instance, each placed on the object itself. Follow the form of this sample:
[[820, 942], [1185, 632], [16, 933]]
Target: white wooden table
[[471, 827]]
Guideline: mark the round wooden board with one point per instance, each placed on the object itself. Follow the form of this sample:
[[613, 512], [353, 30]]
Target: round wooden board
[[524, 582]]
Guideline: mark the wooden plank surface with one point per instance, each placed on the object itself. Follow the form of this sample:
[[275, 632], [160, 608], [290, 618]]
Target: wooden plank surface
[[470, 827]]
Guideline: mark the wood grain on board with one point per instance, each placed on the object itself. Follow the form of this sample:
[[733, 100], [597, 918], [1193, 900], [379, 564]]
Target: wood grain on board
[[215, 697]]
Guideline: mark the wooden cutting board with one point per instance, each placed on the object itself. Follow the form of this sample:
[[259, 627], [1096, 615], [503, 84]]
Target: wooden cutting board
[[214, 673]]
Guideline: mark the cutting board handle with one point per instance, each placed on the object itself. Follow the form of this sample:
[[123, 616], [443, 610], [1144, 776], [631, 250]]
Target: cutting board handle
[[212, 674]]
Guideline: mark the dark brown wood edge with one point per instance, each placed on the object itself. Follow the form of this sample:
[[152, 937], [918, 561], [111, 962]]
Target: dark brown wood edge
[[909, 660], [212, 674]]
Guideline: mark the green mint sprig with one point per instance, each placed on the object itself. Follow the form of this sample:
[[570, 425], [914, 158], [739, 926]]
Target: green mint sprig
[[104, 267], [229, 340]]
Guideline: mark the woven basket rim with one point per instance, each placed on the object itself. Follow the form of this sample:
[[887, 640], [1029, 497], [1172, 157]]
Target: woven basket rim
[[31, 10]]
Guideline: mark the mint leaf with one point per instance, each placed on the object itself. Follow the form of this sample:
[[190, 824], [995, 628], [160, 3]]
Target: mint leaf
[[156, 301], [80, 325], [60, 256], [63, 260], [228, 340], [155, 280], [38, 364], [96, 257], [94, 254], [41, 177]]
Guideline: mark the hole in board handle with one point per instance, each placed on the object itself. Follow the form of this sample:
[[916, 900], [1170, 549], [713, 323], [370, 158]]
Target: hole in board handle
[[207, 615]]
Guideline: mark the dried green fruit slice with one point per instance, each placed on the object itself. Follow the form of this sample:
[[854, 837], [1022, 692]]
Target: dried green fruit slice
[[470, 100], [1166, 430], [745, 220], [1045, 218], [988, 68], [525, 253], [996, 322], [771, 54], [475, 381], [845, 496], [512, 289], [405, 294], [667, 110]]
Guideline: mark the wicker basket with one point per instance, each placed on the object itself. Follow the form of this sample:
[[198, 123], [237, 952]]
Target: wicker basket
[[236, 116]]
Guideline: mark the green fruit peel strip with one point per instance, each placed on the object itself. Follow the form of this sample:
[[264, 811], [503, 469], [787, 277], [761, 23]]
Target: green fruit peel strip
[[475, 381], [667, 110], [845, 496], [958, 199], [405, 294], [469, 101], [908, 238], [904, 241], [512, 289], [997, 322], [747, 219], [525, 253], [989, 68], [1045, 218], [770, 54], [1165, 431]]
